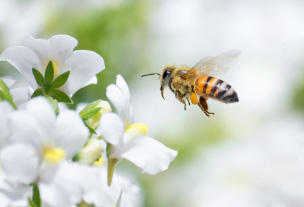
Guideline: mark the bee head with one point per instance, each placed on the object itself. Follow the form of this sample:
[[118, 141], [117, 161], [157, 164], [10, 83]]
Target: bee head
[[166, 74], [165, 77]]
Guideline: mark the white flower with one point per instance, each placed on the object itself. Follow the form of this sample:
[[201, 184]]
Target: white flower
[[123, 192], [39, 126], [67, 186], [40, 144], [36, 53], [128, 140]]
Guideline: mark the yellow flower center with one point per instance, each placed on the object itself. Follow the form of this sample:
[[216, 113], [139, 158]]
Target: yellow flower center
[[56, 69], [137, 129], [54, 155], [99, 162]]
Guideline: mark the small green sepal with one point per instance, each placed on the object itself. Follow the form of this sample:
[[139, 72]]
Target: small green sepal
[[87, 111], [35, 201], [60, 96], [48, 87], [38, 76], [60, 80], [90, 113], [49, 73], [38, 92]]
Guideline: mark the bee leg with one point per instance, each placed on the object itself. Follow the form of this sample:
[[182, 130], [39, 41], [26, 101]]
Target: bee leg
[[188, 101], [204, 106], [179, 96]]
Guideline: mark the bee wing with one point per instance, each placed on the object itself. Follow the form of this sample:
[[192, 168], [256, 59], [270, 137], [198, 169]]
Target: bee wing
[[191, 74], [217, 65]]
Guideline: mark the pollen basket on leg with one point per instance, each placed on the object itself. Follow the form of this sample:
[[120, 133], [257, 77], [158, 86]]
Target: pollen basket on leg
[[193, 98]]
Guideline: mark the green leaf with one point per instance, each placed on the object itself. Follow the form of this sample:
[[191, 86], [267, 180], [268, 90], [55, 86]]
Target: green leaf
[[38, 76], [54, 104], [5, 94], [36, 195], [49, 73], [60, 80], [83, 113], [32, 204], [60, 96], [38, 92]]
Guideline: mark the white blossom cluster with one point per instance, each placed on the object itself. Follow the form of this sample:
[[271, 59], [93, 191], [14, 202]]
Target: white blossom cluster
[[54, 156]]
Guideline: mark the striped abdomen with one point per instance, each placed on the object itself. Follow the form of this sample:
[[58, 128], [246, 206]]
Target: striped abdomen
[[215, 88]]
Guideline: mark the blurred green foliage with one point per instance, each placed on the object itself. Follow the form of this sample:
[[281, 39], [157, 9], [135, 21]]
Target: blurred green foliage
[[117, 32], [297, 101]]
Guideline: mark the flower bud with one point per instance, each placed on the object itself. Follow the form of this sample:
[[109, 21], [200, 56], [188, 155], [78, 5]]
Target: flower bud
[[90, 152], [92, 113]]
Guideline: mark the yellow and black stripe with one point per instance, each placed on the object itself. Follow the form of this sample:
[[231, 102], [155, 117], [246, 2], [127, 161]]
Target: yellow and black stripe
[[211, 87]]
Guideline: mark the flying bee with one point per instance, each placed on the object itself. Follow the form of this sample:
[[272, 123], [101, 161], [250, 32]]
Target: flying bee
[[190, 83]]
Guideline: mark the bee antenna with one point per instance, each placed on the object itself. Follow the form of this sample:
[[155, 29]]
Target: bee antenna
[[151, 74]]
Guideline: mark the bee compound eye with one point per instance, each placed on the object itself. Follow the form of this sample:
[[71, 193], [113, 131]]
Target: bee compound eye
[[166, 74]]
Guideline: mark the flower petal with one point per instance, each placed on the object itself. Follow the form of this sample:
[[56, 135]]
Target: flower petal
[[8, 80], [62, 46], [70, 129], [20, 163], [92, 81], [57, 49], [65, 189], [123, 86], [5, 109], [27, 130], [23, 59], [98, 192], [52, 195], [117, 98], [111, 128], [149, 154], [83, 65], [41, 48], [20, 95], [14, 194], [42, 110]]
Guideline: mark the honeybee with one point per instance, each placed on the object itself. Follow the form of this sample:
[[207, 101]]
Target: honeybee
[[190, 83]]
